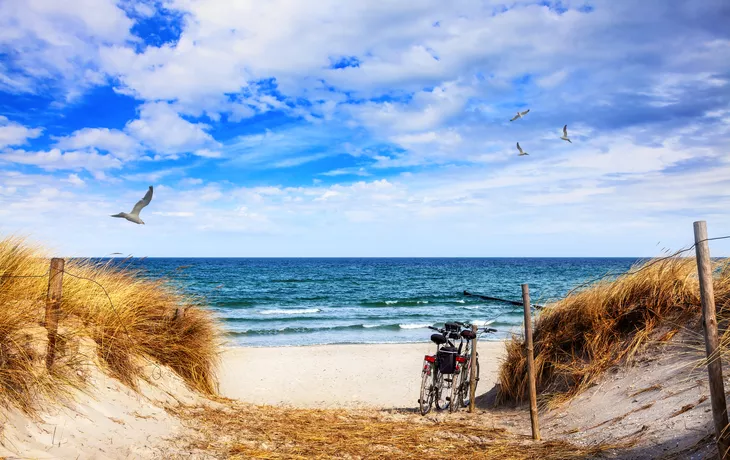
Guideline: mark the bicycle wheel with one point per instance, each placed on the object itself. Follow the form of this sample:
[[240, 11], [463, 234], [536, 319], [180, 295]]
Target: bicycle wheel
[[443, 391], [465, 393], [456, 389], [425, 401]]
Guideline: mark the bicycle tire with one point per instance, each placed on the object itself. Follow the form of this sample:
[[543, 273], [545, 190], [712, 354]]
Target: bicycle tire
[[425, 400], [443, 391], [465, 396], [456, 389]]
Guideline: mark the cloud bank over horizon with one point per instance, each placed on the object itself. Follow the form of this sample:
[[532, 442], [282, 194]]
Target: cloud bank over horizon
[[365, 129]]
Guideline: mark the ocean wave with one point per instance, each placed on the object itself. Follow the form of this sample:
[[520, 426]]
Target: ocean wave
[[474, 307], [324, 329], [301, 311], [461, 301], [482, 322], [413, 326], [390, 303], [295, 280]]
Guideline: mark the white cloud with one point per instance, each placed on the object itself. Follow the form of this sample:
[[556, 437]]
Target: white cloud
[[12, 133], [54, 159], [161, 128], [205, 153], [75, 180], [116, 142], [57, 41]]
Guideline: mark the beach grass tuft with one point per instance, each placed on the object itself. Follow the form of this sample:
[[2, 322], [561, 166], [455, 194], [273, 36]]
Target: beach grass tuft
[[126, 320], [581, 336]]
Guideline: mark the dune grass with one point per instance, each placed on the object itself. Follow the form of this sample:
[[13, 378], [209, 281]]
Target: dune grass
[[579, 337], [135, 320]]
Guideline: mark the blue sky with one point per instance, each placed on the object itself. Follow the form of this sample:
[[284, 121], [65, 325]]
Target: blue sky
[[365, 128]]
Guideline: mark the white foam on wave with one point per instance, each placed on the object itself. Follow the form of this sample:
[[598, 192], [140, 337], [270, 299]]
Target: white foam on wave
[[474, 307], [422, 301], [368, 326], [412, 326], [391, 302], [461, 301], [481, 322], [301, 311]]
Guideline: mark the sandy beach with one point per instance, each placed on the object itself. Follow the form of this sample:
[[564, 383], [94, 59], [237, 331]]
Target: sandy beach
[[325, 376]]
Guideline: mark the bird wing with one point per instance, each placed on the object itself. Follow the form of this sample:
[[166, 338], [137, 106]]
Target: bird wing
[[565, 130], [515, 117], [143, 202], [525, 112], [519, 148]]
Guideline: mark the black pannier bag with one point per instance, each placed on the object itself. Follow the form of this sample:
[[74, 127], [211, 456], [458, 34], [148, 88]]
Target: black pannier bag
[[447, 360]]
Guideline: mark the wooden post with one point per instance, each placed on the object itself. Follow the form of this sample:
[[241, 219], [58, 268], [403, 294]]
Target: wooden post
[[709, 323], [473, 370], [53, 307], [530, 362]]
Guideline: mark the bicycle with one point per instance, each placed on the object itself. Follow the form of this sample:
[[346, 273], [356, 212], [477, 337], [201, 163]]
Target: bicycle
[[460, 392], [437, 375]]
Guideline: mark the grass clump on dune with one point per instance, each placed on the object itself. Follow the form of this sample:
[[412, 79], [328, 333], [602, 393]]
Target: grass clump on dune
[[579, 337], [140, 320]]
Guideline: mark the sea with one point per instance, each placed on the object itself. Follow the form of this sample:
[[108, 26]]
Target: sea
[[264, 302]]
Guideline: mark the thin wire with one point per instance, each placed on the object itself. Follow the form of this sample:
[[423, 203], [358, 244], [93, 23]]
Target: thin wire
[[2, 277], [497, 299], [645, 266]]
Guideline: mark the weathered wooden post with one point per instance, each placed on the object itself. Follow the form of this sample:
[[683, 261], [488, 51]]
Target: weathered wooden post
[[53, 307], [709, 323], [530, 362], [473, 370]]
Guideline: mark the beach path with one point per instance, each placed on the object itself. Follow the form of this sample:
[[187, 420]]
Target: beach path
[[329, 376]]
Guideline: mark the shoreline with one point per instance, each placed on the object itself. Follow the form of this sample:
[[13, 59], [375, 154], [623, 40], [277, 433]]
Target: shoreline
[[338, 375], [226, 346]]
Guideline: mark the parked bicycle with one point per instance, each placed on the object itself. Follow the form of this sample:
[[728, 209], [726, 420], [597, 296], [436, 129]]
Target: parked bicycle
[[460, 388], [443, 378]]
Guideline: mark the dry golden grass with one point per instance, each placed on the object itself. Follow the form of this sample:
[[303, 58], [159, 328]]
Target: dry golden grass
[[579, 337], [267, 432], [138, 320]]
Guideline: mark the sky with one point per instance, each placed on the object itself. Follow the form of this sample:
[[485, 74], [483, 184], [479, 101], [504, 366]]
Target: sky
[[362, 128]]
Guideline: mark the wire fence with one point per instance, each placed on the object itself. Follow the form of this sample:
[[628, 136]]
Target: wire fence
[[520, 305]]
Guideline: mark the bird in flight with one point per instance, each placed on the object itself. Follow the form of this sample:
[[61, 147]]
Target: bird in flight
[[522, 152], [520, 115], [565, 134], [134, 215]]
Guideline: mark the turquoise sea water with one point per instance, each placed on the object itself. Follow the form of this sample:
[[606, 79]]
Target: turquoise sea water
[[274, 302]]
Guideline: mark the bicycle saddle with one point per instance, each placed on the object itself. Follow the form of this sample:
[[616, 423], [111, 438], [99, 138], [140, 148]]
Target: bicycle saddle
[[438, 339], [468, 335]]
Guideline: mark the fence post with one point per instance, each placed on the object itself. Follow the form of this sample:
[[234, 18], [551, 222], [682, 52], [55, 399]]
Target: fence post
[[473, 370], [53, 306], [530, 362], [709, 323]]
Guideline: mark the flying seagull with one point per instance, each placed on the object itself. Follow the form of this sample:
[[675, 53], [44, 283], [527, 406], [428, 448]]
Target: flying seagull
[[134, 215], [521, 151], [565, 134], [520, 115]]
